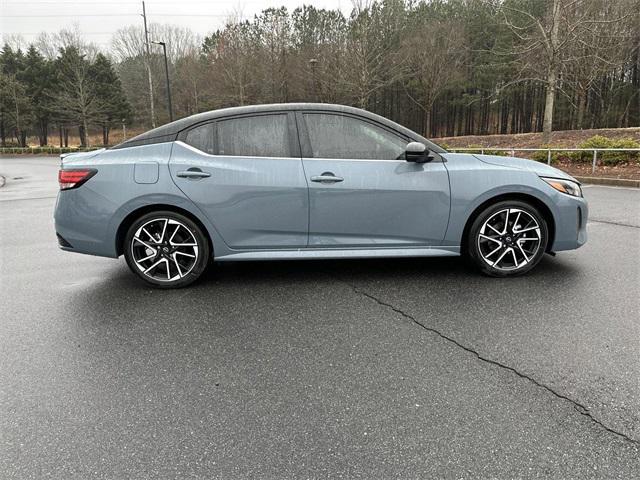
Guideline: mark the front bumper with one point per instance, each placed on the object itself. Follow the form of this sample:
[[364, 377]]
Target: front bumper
[[571, 223]]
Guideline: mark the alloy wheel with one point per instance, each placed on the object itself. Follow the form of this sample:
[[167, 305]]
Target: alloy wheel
[[509, 239], [164, 249]]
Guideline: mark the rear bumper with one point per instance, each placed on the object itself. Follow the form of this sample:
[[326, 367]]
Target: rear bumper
[[82, 226]]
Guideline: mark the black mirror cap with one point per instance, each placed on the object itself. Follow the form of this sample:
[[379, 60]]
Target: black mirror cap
[[419, 157], [417, 152]]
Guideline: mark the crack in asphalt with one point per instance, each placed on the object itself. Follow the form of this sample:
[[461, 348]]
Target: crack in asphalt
[[578, 407], [613, 223]]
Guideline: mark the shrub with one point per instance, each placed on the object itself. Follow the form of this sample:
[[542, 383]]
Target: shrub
[[43, 150], [608, 158], [486, 151], [555, 156]]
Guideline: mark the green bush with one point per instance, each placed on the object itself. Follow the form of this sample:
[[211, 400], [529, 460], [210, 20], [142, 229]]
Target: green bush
[[486, 151], [608, 158], [43, 150], [555, 156]]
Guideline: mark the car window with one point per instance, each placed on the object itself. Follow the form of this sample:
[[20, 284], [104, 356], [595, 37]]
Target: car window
[[202, 138], [259, 136], [340, 136]]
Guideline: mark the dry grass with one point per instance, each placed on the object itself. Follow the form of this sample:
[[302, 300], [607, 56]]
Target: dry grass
[[563, 138]]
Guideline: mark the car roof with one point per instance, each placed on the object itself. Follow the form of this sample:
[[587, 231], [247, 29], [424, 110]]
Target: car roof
[[169, 131]]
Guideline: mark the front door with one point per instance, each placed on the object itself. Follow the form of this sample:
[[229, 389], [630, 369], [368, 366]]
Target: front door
[[362, 193], [245, 173]]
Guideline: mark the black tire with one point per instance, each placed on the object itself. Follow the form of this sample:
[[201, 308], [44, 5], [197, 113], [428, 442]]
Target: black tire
[[181, 255], [503, 215]]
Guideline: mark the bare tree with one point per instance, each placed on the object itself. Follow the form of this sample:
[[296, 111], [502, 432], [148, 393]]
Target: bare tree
[[231, 54], [548, 41], [374, 37], [14, 97], [50, 44], [318, 63], [432, 60]]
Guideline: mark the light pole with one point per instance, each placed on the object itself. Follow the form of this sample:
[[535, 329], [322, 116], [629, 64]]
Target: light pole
[[148, 62], [166, 73], [314, 63]]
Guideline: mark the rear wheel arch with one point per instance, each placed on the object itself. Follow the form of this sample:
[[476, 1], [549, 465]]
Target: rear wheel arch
[[139, 212], [522, 197]]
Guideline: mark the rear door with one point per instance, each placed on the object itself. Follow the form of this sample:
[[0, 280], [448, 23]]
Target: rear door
[[245, 173], [362, 192]]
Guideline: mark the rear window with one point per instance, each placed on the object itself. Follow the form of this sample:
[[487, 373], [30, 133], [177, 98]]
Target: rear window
[[202, 138], [258, 136]]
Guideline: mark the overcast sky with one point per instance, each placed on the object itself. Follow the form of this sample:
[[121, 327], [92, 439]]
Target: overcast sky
[[98, 20]]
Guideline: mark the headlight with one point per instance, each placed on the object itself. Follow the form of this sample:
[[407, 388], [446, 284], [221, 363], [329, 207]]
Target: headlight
[[564, 186]]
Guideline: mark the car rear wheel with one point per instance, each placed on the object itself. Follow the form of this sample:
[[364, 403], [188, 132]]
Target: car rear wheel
[[166, 249], [508, 238]]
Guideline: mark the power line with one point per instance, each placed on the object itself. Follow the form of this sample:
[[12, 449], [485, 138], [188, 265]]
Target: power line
[[116, 15], [93, 4], [43, 31]]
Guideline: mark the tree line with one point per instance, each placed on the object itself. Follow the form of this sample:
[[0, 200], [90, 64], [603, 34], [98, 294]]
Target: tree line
[[442, 68], [40, 95]]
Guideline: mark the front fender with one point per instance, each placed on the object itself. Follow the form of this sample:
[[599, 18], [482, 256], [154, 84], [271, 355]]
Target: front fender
[[474, 183]]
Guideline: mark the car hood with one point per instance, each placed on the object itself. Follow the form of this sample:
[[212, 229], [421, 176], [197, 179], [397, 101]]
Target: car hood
[[538, 168]]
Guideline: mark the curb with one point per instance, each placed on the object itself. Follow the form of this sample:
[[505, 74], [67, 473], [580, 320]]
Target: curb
[[614, 182]]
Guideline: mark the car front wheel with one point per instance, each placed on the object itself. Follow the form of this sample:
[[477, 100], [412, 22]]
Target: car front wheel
[[508, 238], [166, 249]]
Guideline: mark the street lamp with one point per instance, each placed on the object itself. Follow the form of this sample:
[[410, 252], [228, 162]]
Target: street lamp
[[314, 63], [166, 72]]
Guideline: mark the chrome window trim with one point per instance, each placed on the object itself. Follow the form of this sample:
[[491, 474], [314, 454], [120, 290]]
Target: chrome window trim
[[197, 150], [194, 149]]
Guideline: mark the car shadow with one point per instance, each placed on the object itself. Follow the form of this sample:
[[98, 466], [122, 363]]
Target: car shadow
[[435, 274]]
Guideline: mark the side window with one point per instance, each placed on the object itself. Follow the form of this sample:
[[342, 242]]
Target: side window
[[202, 138], [259, 136], [340, 136]]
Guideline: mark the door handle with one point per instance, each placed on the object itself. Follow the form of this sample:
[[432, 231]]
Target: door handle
[[193, 173], [326, 177]]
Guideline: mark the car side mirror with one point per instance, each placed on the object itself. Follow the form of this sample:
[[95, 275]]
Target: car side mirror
[[417, 152]]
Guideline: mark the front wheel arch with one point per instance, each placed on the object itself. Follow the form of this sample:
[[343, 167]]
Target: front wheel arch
[[522, 197], [123, 228]]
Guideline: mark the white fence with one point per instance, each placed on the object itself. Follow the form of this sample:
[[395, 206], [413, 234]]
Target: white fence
[[513, 151]]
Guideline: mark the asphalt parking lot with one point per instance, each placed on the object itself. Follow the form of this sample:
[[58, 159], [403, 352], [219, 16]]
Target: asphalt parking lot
[[351, 369]]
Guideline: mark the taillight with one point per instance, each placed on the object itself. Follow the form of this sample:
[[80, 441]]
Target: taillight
[[73, 178]]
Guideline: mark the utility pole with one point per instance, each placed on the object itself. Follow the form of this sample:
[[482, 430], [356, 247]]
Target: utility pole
[[166, 74], [148, 62]]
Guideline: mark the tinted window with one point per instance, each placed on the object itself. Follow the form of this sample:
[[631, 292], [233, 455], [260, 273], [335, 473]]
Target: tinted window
[[259, 136], [202, 138], [339, 136]]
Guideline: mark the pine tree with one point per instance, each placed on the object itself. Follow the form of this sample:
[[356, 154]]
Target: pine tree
[[39, 81], [110, 98], [76, 101]]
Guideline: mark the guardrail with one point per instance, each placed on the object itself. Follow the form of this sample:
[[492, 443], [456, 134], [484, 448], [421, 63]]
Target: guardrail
[[548, 150]]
